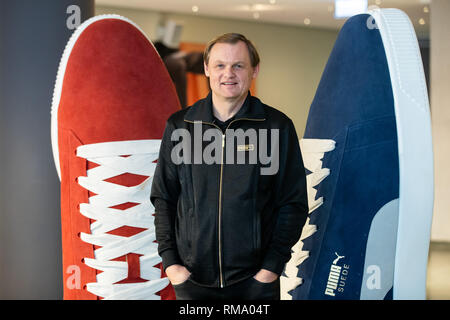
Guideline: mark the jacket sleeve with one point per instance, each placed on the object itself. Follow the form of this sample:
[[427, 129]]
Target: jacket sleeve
[[164, 196], [291, 201]]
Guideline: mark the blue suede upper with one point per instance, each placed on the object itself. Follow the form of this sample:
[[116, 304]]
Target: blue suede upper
[[354, 106]]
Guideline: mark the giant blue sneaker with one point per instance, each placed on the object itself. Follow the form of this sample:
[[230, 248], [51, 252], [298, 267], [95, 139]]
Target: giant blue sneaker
[[368, 151]]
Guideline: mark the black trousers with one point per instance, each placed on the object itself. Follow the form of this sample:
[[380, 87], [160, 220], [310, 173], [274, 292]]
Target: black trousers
[[249, 289]]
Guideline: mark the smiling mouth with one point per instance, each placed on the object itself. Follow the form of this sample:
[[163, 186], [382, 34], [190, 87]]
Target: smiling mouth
[[228, 83]]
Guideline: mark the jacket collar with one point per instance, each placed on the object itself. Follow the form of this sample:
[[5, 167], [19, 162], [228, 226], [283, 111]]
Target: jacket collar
[[202, 110]]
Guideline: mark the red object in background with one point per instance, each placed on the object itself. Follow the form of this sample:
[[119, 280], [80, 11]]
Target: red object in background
[[112, 86]]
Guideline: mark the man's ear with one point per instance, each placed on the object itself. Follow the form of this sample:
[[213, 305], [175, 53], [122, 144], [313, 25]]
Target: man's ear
[[255, 71], [205, 66]]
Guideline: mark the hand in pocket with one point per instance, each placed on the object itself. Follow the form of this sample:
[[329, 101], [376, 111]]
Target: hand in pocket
[[177, 274]]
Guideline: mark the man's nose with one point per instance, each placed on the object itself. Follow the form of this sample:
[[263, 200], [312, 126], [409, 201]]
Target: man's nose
[[229, 71]]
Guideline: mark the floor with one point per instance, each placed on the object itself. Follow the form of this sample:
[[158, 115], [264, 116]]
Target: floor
[[438, 277]]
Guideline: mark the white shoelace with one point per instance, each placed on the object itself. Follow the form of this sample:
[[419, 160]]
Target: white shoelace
[[313, 151], [108, 155]]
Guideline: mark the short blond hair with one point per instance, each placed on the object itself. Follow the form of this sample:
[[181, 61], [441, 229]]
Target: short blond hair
[[233, 38]]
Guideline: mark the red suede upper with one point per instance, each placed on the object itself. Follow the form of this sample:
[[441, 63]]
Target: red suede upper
[[115, 88]]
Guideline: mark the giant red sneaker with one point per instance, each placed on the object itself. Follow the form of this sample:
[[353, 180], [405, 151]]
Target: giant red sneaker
[[111, 100]]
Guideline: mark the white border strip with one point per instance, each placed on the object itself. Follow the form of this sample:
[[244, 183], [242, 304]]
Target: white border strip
[[415, 148]]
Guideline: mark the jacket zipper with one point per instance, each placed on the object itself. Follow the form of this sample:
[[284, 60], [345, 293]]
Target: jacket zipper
[[220, 213], [221, 281]]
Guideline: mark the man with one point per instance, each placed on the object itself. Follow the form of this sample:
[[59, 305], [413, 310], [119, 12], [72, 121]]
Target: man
[[225, 228]]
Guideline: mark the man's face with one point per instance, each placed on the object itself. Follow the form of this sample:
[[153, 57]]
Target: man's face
[[230, 71]]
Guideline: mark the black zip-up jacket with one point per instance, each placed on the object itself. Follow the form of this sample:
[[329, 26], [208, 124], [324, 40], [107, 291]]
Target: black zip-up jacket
[[224, 221]]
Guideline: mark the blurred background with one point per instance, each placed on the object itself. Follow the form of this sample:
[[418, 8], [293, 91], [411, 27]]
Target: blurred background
[[294, 39]]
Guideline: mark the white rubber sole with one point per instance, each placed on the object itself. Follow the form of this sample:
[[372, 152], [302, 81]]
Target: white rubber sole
[[415, 150], [60, 78]]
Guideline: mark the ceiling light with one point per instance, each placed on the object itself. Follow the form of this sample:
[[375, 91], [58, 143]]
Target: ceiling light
[[307, 21], [260, 7], [348, 8], [425, 9], [194, 8], [257, 7], [421, 21]]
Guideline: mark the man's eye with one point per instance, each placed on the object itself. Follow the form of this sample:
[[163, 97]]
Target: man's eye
[[239, 66], [219, 66]]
